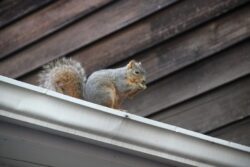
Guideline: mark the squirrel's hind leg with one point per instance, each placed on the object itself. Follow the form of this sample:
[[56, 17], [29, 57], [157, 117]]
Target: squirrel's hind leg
[[104, 96], [110, 99]]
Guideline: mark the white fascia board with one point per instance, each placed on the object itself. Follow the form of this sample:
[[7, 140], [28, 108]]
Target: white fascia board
[[126, 132]]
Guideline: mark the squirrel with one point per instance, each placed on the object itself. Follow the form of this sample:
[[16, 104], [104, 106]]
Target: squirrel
[[107, 87]]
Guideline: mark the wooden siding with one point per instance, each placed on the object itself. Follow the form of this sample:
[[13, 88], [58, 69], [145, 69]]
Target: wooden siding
[[11, 10], [196, 53]]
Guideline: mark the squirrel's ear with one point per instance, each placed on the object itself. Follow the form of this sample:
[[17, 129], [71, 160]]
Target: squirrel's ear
[[131, 64]]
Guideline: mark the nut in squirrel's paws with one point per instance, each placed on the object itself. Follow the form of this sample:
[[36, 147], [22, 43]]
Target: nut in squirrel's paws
[[142, 85]]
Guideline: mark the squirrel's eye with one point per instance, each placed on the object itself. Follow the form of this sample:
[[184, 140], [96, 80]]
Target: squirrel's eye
[[137, 72]]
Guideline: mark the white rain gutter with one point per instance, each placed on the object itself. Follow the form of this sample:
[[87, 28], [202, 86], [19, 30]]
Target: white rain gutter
[[114, 129]]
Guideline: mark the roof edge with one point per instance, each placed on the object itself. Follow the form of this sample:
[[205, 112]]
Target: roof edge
[[115, 129]]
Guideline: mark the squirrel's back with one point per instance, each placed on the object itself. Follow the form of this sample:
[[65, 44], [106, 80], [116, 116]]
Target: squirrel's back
[[65, 76]]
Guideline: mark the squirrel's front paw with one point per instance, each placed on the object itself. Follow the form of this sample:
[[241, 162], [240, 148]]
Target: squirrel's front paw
[[142, 86]]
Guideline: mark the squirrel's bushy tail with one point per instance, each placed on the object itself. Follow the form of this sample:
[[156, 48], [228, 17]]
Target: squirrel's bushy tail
[[65, 76]]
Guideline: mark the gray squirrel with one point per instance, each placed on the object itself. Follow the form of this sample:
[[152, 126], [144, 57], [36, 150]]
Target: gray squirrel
[[108, 87]]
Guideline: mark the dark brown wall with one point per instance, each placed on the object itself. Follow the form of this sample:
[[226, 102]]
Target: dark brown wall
[[196, 53]]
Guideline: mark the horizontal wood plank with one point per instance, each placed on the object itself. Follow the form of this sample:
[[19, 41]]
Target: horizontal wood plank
[[210, 111], [192, 81], [196, 45], [11, 10], [166, 24], [45, 22], [106, 21], [105, 54], [238, 132]]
